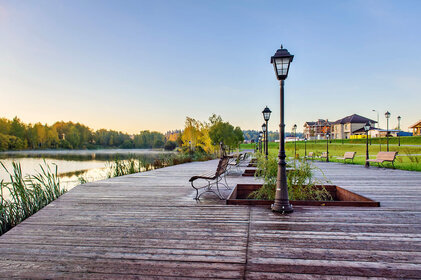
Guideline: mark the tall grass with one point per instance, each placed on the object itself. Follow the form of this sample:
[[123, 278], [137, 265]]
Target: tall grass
[[121, 167], [26, 194]]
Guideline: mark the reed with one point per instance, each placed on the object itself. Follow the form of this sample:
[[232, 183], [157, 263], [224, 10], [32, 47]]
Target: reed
[[121, 167], [26, 194]]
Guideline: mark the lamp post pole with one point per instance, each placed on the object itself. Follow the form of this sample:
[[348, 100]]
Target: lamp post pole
[[266, 116], [265, 148], [367, 127], [387, 115], [327, 147], [305, 147], [399, 130], [295, 141], [267, 139], [378, 128], [281, 61]]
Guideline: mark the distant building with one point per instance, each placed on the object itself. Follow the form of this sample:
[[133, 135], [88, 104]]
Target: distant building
[[416, 128], [316, 130], [345, 127]]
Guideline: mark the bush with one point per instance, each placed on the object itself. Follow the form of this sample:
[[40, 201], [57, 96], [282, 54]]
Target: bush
[[170, 145]]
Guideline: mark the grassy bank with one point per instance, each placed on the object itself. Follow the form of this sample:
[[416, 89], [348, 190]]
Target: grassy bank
[[409, 156]]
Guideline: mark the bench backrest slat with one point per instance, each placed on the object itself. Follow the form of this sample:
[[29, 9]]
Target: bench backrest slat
[[222, 166], [386, 156], [349, 155]]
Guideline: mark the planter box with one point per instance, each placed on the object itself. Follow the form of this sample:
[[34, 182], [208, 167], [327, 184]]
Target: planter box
[[249, 172], [341, 197]]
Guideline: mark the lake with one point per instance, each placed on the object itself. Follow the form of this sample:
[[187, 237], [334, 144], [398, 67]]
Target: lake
[[72, 164]]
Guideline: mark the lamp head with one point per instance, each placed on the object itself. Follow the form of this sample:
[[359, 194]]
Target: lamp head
[[281, 61], [266, 113]]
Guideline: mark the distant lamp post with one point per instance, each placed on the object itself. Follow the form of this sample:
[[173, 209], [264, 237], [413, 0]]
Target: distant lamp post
[[367, 127], [281, 62], [260, 141], [266, 116], [387, 115], [378, 128], [327, 146], [305, 147], [258, 144], [295, 140], [265, 140], [399, 129]]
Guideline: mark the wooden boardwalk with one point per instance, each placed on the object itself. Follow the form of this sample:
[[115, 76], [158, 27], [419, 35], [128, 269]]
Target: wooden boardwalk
[[147, 226]]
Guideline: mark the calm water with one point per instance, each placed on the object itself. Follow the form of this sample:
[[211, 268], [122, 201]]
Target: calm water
[[92, 165]]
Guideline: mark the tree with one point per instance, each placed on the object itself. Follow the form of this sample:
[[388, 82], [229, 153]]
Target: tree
[[196, 134], [224, 132], [17, 128]]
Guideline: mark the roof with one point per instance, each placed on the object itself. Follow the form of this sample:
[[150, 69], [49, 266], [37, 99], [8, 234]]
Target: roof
[[319, 122], [354, 119], [418, 123]]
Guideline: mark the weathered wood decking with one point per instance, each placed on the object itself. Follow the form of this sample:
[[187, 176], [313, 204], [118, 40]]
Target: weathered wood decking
[[148, 226]]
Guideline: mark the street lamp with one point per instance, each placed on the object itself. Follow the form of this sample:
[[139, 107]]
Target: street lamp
[[378, 128], [305, 147], [327, 146], [399, 130], [281, 62], [266, 116], [367, 127], [387, 115], [265, 147], [295, 140], [260, 140]]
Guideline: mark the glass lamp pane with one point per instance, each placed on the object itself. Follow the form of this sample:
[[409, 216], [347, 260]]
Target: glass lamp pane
[[266, 116]]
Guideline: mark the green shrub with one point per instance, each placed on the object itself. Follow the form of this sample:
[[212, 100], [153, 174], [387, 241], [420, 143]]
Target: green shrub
[[170, 145]]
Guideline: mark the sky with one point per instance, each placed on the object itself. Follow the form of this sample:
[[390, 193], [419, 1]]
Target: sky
[[146, 65]]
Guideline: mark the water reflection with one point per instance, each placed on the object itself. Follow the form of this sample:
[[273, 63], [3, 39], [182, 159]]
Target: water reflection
[[91, 165]]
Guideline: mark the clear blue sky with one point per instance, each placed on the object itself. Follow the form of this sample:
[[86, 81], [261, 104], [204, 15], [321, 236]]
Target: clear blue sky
[[136, 65]]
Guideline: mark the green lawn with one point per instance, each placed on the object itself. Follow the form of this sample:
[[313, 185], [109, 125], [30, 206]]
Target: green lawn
[[409, 156]]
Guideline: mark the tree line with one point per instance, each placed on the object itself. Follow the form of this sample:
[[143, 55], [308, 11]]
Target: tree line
[[16, 135]]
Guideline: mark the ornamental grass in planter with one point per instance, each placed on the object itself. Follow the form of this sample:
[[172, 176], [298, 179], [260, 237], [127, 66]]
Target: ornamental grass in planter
[[302, 185]]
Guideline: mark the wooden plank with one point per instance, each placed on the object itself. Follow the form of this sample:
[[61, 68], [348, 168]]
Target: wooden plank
[[148, 226]]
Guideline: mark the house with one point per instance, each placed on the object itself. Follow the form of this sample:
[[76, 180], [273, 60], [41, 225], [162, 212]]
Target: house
[[316, 130], [416, 128], [345, 127]]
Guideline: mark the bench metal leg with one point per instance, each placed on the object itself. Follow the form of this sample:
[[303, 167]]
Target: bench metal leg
[[208, 188], [225, 179]]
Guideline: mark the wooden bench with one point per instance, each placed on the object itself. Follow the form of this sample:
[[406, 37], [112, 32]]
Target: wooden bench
[[236, 161], [384, 156], [310, 155], [323, 155], [348, 155], [212, 179]]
